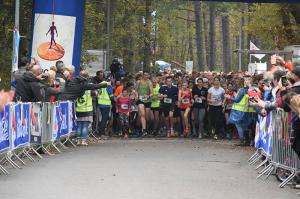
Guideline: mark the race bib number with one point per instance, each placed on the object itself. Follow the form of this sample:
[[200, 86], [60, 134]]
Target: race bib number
[[198, 100], [185, 101], [168, 100], [124, 106], [143, 98]]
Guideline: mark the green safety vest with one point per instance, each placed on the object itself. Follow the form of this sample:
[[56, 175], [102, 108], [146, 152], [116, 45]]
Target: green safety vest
[[84, 103], [241, 105], [155, 101], [103, 97]]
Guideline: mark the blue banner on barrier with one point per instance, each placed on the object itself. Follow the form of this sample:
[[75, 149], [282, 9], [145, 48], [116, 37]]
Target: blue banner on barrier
[[62, 117], [263, 137], [5, 128], [21, 125]]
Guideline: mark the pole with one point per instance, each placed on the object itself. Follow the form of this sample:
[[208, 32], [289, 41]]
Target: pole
[[15, 50], [17, 14], [108, 34], [240, 49]]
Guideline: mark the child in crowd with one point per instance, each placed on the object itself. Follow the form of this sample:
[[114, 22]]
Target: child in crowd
[[123, 107]]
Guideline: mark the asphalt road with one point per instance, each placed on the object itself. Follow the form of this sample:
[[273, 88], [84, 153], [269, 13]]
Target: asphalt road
[[144, 169]]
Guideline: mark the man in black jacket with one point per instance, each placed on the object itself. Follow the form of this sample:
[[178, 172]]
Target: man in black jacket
[[115, 69], [25, 89], [76, 87], [98, 78]]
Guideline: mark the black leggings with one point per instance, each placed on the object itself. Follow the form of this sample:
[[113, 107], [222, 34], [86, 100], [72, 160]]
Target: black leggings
[[216, 117]]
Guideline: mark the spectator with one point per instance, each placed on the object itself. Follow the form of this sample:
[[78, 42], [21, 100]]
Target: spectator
[[60, 70], [28, 88], [76, 87], [115, 69], [5, 98], [98, 78]]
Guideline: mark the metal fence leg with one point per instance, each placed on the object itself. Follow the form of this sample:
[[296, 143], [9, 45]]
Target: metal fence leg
[[288, 179], [55, 147], [62, 145], [253, 156], [46, 149], [265, 170], [4, 171], [11, 162], [18, 158], [270, 172], [70, 141], [256, 159], [36, 153], [262, 164], [24, 152]]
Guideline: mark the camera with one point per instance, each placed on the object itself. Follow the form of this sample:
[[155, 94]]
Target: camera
[[284, 81]]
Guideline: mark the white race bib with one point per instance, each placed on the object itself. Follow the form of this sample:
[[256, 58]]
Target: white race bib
[[124, 106], [168, 100], [143, 98], [198, 100]]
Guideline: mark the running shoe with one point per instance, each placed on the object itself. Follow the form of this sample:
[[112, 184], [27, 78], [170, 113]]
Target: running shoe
[[144, 133], [84, 142], [200, 136], [216, 137]]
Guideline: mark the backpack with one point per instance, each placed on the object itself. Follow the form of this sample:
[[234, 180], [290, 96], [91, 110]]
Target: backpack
[[122, 71]]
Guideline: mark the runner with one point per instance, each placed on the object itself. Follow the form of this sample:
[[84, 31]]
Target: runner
[[228, 107], [134, 109], [184, 104], [200, 99], [123, 107], [215, 100], [169, 94], [155, 105], [144, 90]]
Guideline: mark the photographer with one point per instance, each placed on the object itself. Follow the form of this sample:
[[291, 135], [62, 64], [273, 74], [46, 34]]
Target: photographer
[[278, 89], [33, 86]]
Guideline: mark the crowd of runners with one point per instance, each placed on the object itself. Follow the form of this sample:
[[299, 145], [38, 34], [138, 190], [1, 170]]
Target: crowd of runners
[[169, 103]]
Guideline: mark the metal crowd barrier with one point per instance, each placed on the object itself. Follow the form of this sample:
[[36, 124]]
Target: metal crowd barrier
[[26, 128], [273, 143]]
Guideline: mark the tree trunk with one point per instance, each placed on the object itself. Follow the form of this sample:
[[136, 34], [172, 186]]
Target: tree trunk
[[226, 43], [243, 38], [212, 36], [206, 32], [147, 35], [190, 47], [199, 35]]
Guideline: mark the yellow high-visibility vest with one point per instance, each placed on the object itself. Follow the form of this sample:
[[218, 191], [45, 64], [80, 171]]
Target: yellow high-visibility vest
[[84, 103], [155, 101], [103, 97], [242, 105]]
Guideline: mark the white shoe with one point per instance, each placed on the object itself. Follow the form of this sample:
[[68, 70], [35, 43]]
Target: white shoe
[[84, 142], [200, 136]]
